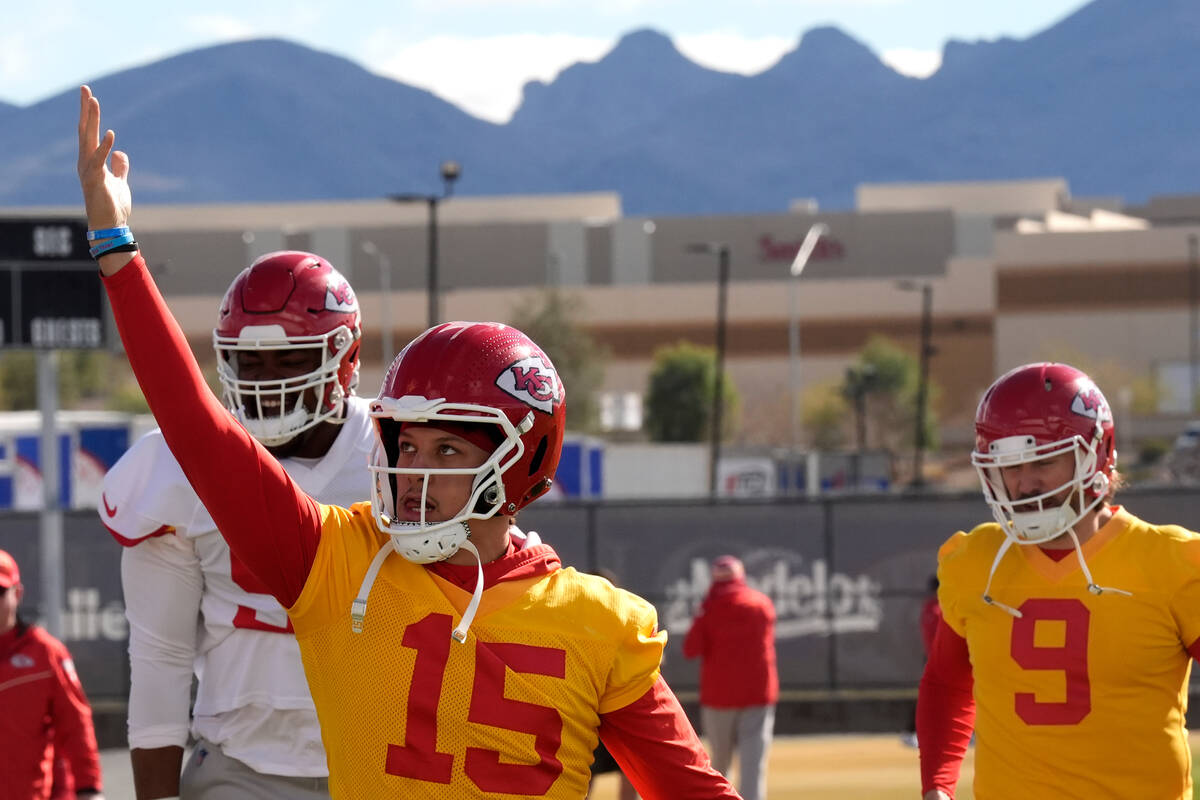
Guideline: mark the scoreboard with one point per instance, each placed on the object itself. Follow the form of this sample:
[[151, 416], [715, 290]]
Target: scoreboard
[[50, 292]]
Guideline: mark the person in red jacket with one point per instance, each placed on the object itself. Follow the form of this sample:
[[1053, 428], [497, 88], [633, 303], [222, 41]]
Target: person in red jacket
[[45, 712], [733, 635]]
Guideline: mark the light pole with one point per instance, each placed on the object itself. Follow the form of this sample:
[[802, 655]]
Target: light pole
[[919, 438], [1193, 322], [722, 251], [450, 171], [818, 230], [385, 292]]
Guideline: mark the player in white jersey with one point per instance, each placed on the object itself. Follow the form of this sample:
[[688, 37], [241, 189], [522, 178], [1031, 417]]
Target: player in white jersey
[[287, 343]]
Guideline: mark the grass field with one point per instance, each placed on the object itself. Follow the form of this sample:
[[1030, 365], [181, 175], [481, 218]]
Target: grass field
[[880, 767]]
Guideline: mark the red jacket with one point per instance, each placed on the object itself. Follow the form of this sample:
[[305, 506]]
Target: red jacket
[[733, 635], [44, 714]]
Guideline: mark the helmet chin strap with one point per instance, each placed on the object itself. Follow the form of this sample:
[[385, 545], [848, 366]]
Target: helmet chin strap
[[358, 609], [1092, 586], [459, 634]]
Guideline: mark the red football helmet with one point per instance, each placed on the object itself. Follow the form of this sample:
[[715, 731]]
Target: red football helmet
[[1040, 411], [288, 300], [478, 373]]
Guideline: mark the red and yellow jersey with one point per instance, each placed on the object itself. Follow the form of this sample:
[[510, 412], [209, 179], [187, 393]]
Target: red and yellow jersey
[[1084, 695], [407, 712]]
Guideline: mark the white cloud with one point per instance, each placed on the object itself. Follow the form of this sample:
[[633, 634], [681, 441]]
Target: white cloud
[[220, 27], [16, 60], [608, 7], [733, 52], [915, 63], [483, 76]]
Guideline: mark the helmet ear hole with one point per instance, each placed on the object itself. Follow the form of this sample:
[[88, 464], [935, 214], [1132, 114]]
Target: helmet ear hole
[[538, 454], [488, 498]]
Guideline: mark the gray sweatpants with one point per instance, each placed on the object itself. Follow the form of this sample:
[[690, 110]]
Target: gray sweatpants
[[750, 730], [212, 775]]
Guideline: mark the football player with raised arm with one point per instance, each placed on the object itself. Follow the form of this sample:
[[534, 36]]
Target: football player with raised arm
[[448, 652], [1068, 624], [287, 342]]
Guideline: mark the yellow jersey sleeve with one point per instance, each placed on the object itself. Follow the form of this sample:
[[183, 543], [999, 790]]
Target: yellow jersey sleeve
[[949, 588], [639, 652], [1185, 599]]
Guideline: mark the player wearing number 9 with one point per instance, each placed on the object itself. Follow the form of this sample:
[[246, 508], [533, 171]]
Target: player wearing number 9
[[448, 652], [287, 342], [1070, 651]]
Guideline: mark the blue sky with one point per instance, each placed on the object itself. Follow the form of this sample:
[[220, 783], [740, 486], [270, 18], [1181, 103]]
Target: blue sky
[[478, 53]]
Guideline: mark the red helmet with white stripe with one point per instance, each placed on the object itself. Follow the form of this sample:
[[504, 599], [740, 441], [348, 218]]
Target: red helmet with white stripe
[[288, 300], [485, 375]]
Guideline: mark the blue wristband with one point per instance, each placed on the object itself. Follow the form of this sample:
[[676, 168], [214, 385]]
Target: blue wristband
[[107, 233], [112, 244]]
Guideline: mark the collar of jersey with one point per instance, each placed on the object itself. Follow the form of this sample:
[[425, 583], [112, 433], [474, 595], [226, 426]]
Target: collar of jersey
[[1056, 571]]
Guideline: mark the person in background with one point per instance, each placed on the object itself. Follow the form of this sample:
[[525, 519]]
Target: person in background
[[44, 713], [287, 343], [733, 635], [928, 620]]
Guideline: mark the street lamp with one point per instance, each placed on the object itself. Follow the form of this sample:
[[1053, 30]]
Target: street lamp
[[920, 440], [450, 171], [385, 292], [722, 251], [1193, 322], [818, 230]]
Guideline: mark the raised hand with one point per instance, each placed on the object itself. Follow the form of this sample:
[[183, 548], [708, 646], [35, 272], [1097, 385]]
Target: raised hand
[[106, 194]]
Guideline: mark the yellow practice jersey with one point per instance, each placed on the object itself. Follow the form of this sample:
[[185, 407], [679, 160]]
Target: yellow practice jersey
[[406, 712], [1084, 695]]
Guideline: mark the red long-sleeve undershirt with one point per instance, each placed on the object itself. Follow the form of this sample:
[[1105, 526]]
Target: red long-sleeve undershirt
[[945, 710], [274, 528]]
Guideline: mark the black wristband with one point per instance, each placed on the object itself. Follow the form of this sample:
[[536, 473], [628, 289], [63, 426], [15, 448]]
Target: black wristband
[[121, 248]]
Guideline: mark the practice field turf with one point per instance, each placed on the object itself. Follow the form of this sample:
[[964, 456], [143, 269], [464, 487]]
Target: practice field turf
[[879, 767]]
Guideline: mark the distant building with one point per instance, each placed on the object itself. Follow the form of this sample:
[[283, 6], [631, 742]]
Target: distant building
[[1019, 271]]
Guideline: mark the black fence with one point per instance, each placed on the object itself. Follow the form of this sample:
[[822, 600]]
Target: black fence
[[847, 575]]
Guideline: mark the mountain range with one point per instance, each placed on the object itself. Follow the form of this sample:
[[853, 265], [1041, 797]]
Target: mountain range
[[1105, 98]]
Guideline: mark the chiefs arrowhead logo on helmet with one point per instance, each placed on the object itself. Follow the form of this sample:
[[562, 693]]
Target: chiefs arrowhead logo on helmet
[[533, 381], [1088, 402], [339, 296]]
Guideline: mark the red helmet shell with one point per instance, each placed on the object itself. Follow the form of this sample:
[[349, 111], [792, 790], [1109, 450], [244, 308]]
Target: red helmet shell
[[304, 295], [1051, 403], [493, 365]]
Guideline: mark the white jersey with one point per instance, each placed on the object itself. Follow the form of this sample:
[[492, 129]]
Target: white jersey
[[191, 607]]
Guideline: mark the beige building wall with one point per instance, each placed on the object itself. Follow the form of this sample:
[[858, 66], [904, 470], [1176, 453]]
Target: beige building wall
[[1000, 298], [966, 197]]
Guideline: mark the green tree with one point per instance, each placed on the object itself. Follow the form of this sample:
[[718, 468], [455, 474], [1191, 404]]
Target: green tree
[[92, 378], [889, 396], [679, 398], [548, 319], [823, 412]]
